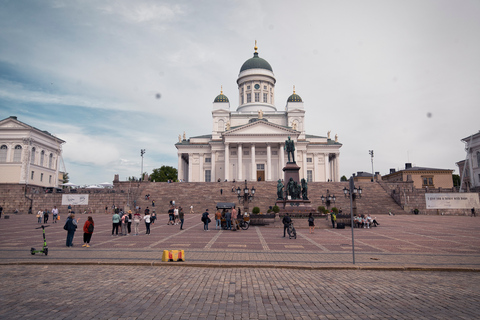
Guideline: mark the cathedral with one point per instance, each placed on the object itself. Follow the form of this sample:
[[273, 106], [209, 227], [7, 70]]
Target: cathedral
[[248, 143]]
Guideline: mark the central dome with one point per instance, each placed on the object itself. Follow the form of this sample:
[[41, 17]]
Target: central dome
[[256, 63]]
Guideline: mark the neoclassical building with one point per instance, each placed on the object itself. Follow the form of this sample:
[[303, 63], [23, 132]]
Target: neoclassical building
[[28, 155], [248, 143]]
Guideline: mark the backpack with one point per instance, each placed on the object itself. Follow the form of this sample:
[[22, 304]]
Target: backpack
[[65, 226], [310, 219], [90, 228]]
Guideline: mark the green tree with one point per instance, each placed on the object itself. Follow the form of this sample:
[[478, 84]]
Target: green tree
[[343, 178], [65, 177], [164, 174], [456, 180]]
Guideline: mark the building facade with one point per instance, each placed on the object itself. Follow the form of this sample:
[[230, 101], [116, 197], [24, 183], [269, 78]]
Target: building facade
[[469, 168], [248, 143], [422, 177], [28, 155]]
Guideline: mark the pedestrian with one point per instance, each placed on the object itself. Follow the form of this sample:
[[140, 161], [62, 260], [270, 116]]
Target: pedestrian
[[129, 225], [228, 218], [124, 224], [1, 210], [87, 231], [170, 216], [333, 218], [115, 222], [205, 220], [54, 214], [153, 203], [147, 221], [175, 215], [473, 212], [311, 222], [153, 216], [39, 216], [181, 215], [70, 226], [234, 219], [106, 209], [221, 191], [45, 216], [286, 222], [191, 209], [136, 222], [218, 220], [69, 208]]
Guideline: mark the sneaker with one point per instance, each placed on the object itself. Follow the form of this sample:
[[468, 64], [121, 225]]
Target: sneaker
[[84, 245], [87, 246]]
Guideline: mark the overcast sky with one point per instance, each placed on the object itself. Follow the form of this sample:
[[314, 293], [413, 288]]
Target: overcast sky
[[113, 77]]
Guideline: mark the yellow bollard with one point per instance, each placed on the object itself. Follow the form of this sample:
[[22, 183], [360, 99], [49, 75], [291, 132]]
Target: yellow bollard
[[173, 255]]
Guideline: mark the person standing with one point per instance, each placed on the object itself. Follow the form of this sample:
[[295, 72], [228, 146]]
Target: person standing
[[147, 221], [71, 226], [55, 214], [115, 222], [228, 219], [218, 220], [124, 224], [473, 212], [129, 225], [136, 222], [286, 222], [311, 222], [333, 218], [87, 231], [234, 219], [1, 210], [40, 216], [45, 216], [153, 216], [205, 220], [191, 209], [181, 215], [175, 215]]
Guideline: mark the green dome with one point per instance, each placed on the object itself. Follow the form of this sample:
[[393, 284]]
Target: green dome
[[256, 63], [294, 98], [221, 98]]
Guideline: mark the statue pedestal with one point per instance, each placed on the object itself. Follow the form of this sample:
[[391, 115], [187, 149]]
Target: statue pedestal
[[295, 207], [291, 170]]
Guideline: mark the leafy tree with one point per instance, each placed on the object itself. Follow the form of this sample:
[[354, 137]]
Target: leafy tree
[[256, 210], [164, 174], [65, 177], [276, 209], [343, 178], [456, 180]]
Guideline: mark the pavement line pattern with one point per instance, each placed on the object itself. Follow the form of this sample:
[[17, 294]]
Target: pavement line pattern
[[214, 239], [262, 239], [172, 236], [356, 241], [318, 245]]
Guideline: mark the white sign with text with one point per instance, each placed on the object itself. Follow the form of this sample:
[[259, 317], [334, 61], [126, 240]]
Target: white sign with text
[[75, 199], [452, 200]]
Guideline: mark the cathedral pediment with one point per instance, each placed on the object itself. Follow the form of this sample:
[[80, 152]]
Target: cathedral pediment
[[13, 124], [261, 127]]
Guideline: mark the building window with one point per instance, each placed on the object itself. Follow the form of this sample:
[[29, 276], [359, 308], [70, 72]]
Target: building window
[[264, 87], [260, 167], [309, 159], [478, 159], [208, 176], [32, 158], [246, 153], [248, 87], [17, 154], [243, 99], [50, 179], [274, 153], [249, 97], [42, 155], [41, 177], [50, 161], [257, 96], [3, 153], [208, 160], [309, 175], [427, 181], [31, 176], [265, 97], [233, 153]]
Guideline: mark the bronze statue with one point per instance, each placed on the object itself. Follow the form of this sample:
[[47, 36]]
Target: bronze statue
[[304, 189], [290, 148], [280, 190], [291, 188]]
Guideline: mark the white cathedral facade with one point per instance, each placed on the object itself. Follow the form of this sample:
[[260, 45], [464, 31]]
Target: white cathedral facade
[[248, 143]]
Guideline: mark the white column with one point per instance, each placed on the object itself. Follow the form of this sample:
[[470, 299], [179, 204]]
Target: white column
[[180, 167], [213, 179], [201, 175], [240, 162], [281, 156], [337, 167], [253, 164], [315, 167], [304, 160], [227, 161], [269, 162], [326, 166], [190, 167]]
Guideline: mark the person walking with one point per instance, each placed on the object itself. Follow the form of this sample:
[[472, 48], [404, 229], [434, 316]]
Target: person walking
[[234, 219], [136, 223], [71, 226], [473, 212], [218, 220], [286, 222], [87, 231], [147, 221], [54, 214], [1, 210], [175, 216], [45, 216], [115, 222], [228, 218], [39, 216], [129, 225], [205, 220], [181, 216], [311, 222]]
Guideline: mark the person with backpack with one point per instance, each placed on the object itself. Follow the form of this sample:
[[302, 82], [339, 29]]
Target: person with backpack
[[333, 218], [87, 231], [124, 224], [70, 226], [205, 220], [286, 222]]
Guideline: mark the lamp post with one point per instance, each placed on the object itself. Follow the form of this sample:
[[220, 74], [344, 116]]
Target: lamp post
[[245, 196], [142, 152], [352, 193], [328, 199], [371, 155]]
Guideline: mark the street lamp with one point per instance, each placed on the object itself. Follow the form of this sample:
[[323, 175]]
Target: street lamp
[[352, 193], [142, 152], [373, 173], [328, 199], [246, 197]]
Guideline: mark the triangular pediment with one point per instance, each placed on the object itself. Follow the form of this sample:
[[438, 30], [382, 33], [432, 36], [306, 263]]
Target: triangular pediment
[[10, 123], [261, 128]]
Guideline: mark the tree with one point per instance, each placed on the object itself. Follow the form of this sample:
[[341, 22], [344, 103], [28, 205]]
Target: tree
[[65, 177], [456, 180], [343, 178], [164, 174]]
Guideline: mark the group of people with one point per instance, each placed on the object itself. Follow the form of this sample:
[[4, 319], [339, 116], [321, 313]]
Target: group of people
[[71, 226], [363, 221], [231, 219], [44, 215], [176, 216]]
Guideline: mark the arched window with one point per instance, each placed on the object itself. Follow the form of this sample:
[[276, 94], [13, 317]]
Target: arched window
[[42, 155], [50, 161], [17, 153], [3, 153], [221, 125], [478, 159], [32, 158]]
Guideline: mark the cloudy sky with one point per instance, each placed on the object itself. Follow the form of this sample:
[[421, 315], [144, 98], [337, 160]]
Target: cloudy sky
[[113, 77]]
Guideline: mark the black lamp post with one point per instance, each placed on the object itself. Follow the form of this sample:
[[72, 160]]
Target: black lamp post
[[328, 199], [245, 197], [353, 192]]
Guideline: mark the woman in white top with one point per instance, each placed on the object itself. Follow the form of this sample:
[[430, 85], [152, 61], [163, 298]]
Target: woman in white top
[[147, 223]]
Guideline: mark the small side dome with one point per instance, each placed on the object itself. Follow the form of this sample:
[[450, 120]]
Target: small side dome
[[294, 97], [221, 97]]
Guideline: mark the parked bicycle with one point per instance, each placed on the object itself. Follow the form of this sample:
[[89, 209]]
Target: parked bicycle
[[292, 233]]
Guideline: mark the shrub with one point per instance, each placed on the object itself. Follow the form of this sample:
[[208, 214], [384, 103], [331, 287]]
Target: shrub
[[256, 210], [334, 209], [321, 209], [276, 209]]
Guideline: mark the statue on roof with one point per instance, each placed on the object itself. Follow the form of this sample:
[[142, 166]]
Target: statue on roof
[[228, 125], [294, 125], [336, 137], [328, 134], [179, 138], [184, 136], [260, 114]]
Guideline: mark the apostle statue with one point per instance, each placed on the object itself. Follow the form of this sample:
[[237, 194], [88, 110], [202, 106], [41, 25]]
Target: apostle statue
[[304, 189], [260, 114], [280, 190], [291, 188], [290, 148]]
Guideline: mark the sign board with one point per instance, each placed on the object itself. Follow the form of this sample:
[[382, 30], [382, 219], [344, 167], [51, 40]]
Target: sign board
[[452, 200], [75, 199]]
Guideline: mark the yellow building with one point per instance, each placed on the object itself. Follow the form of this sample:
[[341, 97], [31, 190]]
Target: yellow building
[[422, 177]]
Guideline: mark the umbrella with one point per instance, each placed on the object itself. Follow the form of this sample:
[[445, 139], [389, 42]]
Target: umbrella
[[106, 184], [93, 187], [69, 184]]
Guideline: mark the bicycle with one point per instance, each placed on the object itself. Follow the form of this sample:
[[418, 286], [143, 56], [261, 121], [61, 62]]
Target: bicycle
[[292, 233]]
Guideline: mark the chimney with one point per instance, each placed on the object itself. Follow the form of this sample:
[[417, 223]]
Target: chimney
[[408, 166], [392, 170]]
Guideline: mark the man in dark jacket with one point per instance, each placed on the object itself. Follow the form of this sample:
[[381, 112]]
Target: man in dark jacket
[[70, 226], [286, 222]]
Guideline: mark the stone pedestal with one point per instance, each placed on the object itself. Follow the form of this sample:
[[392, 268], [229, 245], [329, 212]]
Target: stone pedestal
[[291, 170], [295, 207]]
